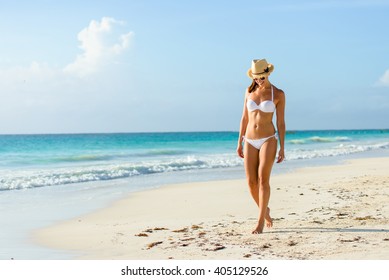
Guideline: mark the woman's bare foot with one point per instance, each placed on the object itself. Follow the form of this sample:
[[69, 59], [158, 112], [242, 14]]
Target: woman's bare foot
[[258, 229], [268, 219]]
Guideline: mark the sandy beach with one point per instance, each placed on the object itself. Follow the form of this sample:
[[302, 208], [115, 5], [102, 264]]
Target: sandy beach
[[327, 212]]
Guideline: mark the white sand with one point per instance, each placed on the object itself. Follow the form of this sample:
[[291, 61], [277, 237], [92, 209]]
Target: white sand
[[332, 212]]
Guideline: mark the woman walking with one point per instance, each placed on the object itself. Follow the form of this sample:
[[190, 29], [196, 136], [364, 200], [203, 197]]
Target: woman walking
[[259, 135]]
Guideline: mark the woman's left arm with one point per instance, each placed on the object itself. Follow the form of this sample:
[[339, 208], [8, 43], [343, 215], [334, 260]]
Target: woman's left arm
[[281, 125]]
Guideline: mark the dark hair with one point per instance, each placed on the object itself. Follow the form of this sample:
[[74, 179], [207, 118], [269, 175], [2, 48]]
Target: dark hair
[[253, 86]]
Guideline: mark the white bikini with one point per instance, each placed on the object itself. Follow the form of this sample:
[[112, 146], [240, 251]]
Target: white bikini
[[266, 106]]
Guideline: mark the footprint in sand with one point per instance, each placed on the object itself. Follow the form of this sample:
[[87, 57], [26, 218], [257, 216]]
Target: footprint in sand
[[188, 239], [341, 215], [216, 248], [365, 218], [292, 243], [160, 228], [350, 240], [219, 225], [185, 229], [151, 230], [195, 227], [265, 246], [153, 244]]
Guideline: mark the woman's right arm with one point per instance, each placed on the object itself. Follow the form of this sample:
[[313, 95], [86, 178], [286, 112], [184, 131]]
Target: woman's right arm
[[243, 126]]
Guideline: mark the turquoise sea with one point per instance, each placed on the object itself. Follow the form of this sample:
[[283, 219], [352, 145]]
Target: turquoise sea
[[46, 179], [32, 161]]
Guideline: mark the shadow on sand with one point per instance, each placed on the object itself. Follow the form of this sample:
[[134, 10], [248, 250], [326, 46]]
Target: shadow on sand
[[319, 229]]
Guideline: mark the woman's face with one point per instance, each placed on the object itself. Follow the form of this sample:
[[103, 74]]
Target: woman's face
[[260, 80]]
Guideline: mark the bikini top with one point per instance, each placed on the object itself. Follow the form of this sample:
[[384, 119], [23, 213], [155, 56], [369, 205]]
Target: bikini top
[[266, 106]]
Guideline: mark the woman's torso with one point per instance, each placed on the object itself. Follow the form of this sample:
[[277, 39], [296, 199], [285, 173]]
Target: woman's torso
[[261, 107]]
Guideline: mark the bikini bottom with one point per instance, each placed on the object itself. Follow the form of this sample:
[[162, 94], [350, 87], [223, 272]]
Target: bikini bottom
[[257, 143]]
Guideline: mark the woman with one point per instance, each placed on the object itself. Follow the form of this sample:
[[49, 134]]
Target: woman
[[257, 132]]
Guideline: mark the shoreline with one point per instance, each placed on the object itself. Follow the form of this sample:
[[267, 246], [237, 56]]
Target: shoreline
[[324, 212]]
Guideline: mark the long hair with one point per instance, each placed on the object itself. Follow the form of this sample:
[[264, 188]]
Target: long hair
[[253, 86]]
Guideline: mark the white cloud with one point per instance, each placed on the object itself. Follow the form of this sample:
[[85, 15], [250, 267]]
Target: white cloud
[[99, 46], [17, 77], [39, 95], [384, 80], [101, 42]]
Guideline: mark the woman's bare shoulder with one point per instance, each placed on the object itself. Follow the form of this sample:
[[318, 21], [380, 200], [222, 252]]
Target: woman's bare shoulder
[[278, 91], [279, 94]]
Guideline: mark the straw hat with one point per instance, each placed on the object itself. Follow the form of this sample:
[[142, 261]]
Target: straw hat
[[259, 68]]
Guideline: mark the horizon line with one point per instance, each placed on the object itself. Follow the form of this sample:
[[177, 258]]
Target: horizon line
[[192, 131]]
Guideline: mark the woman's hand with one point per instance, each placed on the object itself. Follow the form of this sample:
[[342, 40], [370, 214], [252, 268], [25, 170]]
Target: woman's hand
[[281, 156], [239, 151]]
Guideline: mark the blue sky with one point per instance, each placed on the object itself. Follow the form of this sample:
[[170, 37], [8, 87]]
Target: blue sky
[[133, 66]]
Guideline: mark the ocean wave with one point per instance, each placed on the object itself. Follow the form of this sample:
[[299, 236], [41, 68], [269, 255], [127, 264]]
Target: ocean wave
[[162, 152], [12, 179], [296, 141], [86, 157], [63, 176], [126, 155], [319, 139], [94, 157], [340, 150], [328, 139]]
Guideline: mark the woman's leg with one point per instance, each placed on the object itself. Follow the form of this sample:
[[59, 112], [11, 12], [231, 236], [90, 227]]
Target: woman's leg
[[251, 164], [267, 156]]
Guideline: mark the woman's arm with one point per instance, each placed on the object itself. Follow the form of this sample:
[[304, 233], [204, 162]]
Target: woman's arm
[[243, 126], [281, 125]]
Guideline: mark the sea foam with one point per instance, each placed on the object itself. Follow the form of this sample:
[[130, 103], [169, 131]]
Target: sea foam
[[62, 176]]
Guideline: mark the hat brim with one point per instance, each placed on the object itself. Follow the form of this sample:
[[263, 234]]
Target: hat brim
[[251, 76]]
